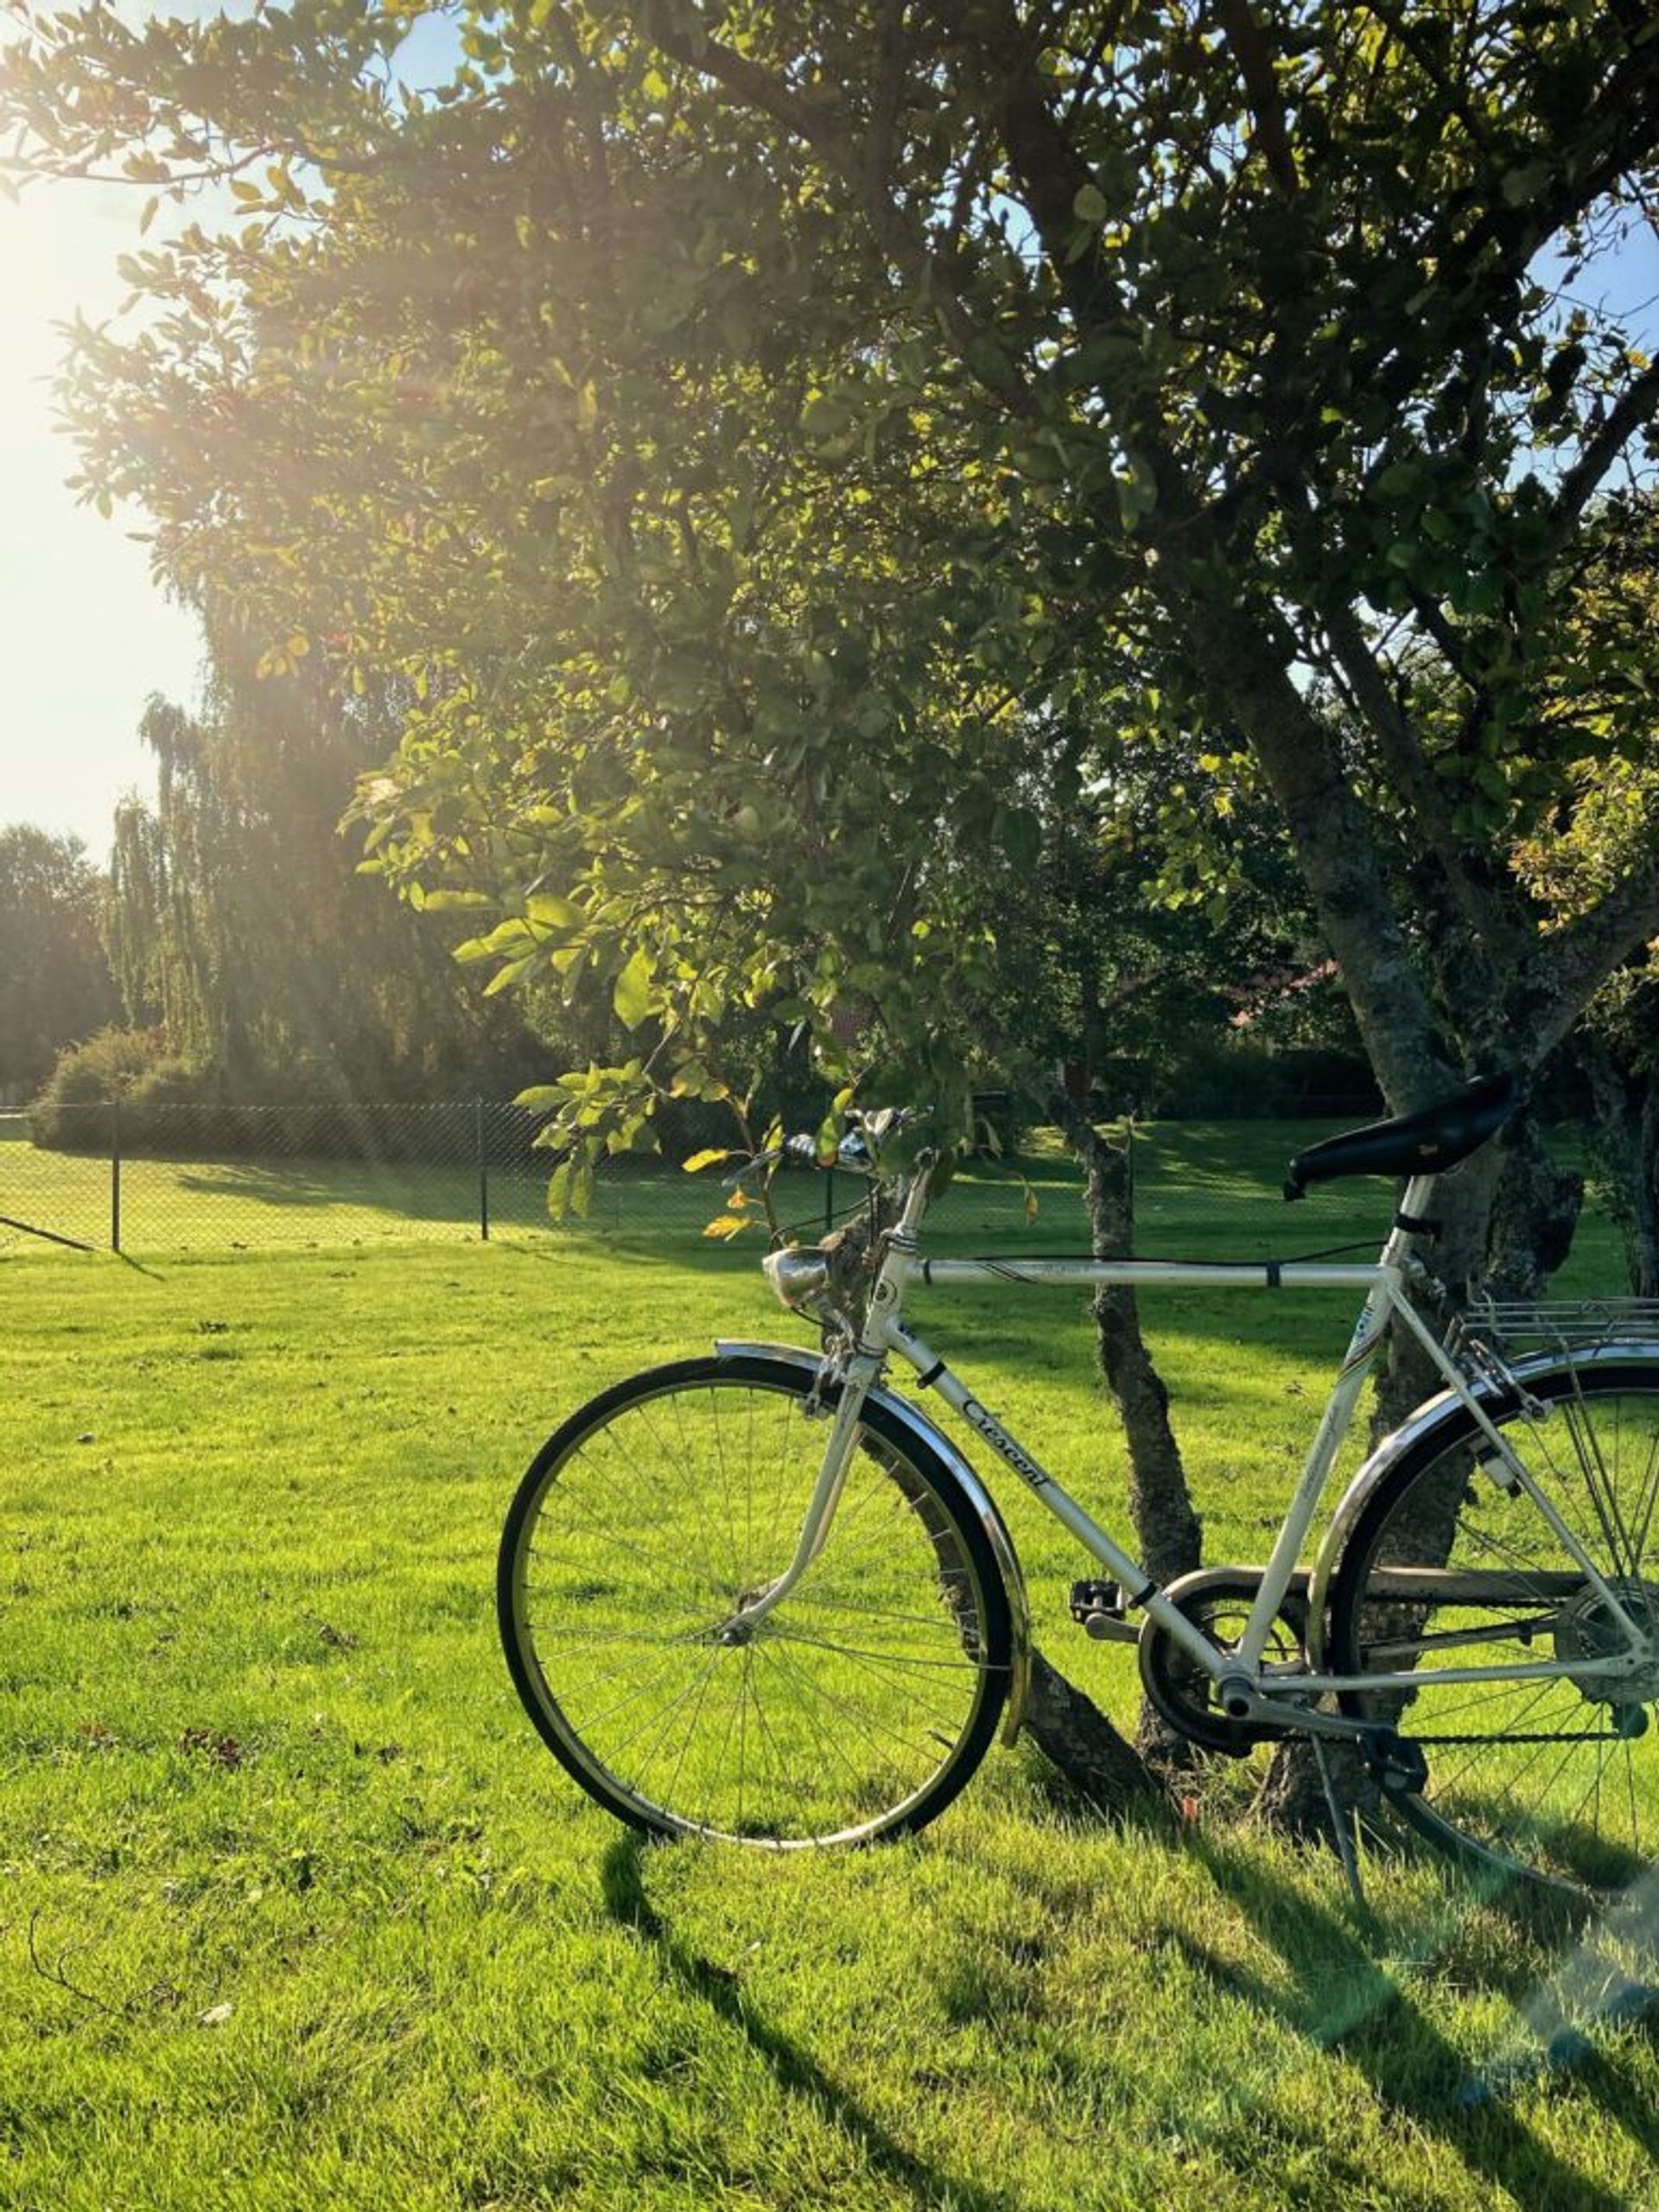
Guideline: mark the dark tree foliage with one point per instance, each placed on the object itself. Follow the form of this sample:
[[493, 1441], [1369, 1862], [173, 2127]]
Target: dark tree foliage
[[55, 987]]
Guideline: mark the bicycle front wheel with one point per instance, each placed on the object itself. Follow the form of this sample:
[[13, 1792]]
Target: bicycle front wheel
[[1554, 1777], [856, 1708]]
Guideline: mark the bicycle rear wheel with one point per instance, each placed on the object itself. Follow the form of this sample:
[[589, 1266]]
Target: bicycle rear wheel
[[1554, 1780], [857, 1708]]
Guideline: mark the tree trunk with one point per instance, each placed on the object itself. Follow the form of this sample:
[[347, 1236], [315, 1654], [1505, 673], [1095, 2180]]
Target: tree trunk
[[1644, 1253], [1064, 1722], [1507, 1218], [1168, 1531], [1626, 1141], [1535, 1212], [1072, 1733]]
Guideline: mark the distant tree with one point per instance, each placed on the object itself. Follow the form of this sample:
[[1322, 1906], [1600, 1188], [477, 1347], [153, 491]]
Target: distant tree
[[241, 929], [1601, 835], [55, 987]]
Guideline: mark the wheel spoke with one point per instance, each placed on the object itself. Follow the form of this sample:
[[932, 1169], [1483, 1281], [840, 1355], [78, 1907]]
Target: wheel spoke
[[1545, 1777], [857, 1707]]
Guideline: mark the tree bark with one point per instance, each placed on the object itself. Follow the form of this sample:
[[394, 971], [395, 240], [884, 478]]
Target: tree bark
[[1167, 1529], [1072, 1733]]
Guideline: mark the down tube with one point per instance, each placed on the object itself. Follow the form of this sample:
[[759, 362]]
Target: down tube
[[1139, 1588], [1363, 1347]]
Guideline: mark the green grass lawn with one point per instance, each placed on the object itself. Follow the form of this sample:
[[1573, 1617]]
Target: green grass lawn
[[295, 1912]]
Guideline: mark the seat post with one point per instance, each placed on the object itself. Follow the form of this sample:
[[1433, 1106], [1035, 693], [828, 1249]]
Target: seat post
[[1411, 1219]]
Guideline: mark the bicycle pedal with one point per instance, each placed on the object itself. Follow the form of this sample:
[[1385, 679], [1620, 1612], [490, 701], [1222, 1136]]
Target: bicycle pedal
[[1099, 1608], [1399, 1767]]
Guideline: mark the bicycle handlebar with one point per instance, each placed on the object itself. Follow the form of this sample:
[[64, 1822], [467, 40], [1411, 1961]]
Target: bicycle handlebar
[[859, 1149]]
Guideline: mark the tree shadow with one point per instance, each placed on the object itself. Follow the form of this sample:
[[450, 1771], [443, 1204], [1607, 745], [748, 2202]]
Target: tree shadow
[[1347, 2001], [622, 1885], [415, 1190]]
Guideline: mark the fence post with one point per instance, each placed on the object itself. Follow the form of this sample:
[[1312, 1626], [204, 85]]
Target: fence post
[[483, 1173], [1129, 1175], [115, 1175]]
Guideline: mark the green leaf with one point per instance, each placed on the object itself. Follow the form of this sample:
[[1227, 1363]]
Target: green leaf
[[549, 913], [631, 994], [1021, 835], [516, 972], [1090, 205], [1400, 479], [455, 902]]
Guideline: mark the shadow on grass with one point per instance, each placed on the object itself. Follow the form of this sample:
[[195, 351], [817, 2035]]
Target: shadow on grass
[[1347, 2001], [795, 2070]]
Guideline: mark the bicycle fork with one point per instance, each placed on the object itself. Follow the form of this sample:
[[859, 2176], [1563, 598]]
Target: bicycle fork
[[861, 1376]]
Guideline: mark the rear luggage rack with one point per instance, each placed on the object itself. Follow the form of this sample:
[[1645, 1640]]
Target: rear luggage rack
[[1559, 1324]]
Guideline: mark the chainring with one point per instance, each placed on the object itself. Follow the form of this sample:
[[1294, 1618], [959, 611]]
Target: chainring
[[1217, 1601]]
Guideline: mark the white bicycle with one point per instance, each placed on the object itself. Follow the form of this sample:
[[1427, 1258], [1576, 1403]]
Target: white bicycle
[[761, 1597]]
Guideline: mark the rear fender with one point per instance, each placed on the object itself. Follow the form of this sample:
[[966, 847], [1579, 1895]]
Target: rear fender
[[1442, 1413]]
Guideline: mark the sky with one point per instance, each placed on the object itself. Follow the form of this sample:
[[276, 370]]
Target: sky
[[86, 638], [85, 634]]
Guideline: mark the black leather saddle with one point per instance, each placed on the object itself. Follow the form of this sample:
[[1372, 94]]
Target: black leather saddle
[[1411, 1144]]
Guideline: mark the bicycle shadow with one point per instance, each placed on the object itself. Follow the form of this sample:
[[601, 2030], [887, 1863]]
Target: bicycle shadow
[[623, 1889], [1347, 2001]]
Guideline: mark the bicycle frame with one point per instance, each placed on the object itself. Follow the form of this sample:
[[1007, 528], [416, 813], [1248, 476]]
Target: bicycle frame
[[1246, 1681]]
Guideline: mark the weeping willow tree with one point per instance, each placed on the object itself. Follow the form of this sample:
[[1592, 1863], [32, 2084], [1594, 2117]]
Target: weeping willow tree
[[242, 930]]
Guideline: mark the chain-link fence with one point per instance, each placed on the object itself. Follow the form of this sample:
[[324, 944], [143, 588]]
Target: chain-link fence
[[216, 1178], [194, 1178]]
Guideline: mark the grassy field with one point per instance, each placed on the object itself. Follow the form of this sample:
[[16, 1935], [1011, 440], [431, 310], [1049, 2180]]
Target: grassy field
[[294, 1912]]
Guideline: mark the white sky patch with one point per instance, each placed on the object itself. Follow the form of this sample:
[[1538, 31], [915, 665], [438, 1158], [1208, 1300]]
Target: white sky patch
[[85, 636]]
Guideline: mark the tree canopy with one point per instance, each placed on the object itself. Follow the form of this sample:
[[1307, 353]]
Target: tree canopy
[[243, 936], [788, 454]]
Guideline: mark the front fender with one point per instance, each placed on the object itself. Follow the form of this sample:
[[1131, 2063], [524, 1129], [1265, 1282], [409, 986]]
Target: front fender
[[930, 1439]]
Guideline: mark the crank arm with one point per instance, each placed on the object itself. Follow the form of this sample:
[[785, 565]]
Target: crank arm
[[1393, 1762]]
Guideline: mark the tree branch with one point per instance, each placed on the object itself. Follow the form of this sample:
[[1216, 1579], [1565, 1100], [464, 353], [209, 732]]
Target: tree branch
[[846, 154], [1250, 50], [1635, 405], [884, 101], [810, 120], [1629, 105], [1571, 966], [1416, 784]]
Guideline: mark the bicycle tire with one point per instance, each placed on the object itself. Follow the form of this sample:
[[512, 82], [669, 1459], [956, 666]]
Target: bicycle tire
[[1554, 1783], [862, 1703]]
